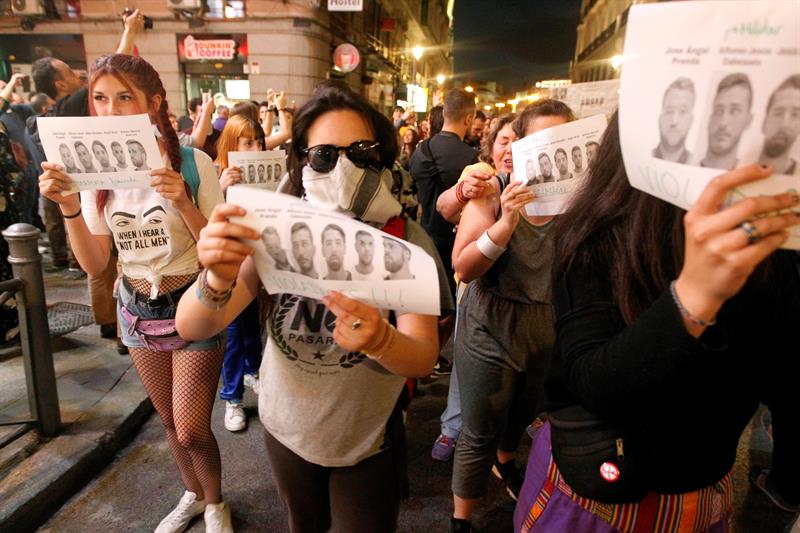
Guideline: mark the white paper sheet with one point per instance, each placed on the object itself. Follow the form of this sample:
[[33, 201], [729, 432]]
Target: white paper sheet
[[301, 246], [704, 90], [554, 162], [263, 169], [115, 152], [592, 98]]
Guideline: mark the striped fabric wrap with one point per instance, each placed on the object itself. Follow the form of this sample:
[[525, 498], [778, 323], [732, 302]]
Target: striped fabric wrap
[[708, 510]]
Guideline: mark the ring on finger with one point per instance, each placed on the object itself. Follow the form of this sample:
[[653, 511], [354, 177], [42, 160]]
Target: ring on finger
[[753, 235], [356, 324]]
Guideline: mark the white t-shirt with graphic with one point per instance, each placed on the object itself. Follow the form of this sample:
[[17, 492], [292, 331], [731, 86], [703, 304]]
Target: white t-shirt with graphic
[[150, 235], [327, 405]]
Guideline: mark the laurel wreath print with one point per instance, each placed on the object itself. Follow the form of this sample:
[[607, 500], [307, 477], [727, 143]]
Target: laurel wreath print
[[287, 303]]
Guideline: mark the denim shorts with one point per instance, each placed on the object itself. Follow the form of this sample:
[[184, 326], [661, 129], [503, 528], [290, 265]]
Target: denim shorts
[[144, 311]]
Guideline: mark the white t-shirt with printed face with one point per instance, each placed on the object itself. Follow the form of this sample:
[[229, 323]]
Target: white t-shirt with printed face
[[151, 237]]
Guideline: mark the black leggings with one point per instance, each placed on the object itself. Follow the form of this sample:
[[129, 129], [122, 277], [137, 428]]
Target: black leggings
[[352, 499]]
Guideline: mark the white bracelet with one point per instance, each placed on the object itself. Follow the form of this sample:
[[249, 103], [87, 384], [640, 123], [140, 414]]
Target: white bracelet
[[488, 248]]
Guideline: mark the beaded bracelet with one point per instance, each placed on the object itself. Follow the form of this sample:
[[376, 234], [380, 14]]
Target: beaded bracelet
[[462, 199], [685, 312], [210, 297]]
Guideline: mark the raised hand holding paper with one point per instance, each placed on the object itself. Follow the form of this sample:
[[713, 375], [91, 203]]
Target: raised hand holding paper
[[708, 87], [111, 152], [264, 169], [555, 161], [308, 251]]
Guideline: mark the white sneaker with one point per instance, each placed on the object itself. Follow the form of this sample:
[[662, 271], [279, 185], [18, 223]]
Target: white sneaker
[[218, 518], [251, 381], [179, 518], [235, 419]]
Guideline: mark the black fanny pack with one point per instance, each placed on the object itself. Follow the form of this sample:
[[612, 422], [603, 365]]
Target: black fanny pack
[[594, 457]]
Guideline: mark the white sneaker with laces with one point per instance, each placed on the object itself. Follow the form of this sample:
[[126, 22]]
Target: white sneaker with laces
[[179, 518], [251, 381], [235, 419], [218, 518]]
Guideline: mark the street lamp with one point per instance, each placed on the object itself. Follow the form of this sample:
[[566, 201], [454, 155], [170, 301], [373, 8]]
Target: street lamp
[[440, 79], [616, 61], [417, 52], [469, 88]]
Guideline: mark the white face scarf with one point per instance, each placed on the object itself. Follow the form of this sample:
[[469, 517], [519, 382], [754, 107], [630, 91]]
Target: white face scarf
[[363, 193]]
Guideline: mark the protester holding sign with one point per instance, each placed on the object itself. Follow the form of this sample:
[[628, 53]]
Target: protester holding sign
[[154, 230], [333, 369], [243, 343], [662, 311], [501, 366]]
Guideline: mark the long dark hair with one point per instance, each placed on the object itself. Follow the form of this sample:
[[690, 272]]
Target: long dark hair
[[133, 71], [611, 227], [328, 96]]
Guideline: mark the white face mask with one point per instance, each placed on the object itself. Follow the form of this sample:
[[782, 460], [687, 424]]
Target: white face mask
[[362, 193]]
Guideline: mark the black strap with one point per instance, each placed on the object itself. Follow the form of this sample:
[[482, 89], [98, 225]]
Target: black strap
[[427, 152]]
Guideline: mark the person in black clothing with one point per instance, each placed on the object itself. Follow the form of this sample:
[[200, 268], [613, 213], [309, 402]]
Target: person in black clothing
[[436, 166], [671, 327]]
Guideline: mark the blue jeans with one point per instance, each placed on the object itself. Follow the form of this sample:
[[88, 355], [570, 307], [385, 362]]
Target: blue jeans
[[242, 353], [451, 417]]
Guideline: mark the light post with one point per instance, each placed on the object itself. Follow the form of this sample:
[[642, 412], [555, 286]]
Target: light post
[[417, 52]]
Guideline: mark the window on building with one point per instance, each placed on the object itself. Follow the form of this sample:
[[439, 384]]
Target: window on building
[[225, 9], [423, 16]]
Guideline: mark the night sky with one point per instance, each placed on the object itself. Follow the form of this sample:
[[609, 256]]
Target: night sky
[[514, 42]]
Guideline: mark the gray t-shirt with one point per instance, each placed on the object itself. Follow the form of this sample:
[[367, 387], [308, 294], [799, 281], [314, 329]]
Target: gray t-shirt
[[327, 405]]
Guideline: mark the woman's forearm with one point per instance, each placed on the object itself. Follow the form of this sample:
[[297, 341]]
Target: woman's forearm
[[415, 347]]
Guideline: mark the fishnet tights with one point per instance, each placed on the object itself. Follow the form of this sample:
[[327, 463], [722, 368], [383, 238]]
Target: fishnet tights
[[182, 386], [168, 283]]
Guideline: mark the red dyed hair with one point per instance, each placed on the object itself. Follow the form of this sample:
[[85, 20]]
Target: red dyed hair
[[135, 72]]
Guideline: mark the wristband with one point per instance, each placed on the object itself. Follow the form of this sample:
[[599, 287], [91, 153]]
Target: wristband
[[685, 312], [76, 215], [488, 248]]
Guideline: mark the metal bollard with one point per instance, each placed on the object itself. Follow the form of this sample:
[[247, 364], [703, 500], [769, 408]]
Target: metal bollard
[[26, 263]]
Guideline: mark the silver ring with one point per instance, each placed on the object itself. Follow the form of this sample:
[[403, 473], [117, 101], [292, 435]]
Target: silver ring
[[356, 324], [753, 235]]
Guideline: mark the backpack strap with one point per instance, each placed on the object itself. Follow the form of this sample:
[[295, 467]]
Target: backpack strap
[[189, 171]]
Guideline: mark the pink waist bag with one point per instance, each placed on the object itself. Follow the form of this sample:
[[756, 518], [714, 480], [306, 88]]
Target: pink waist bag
[[158, 335]]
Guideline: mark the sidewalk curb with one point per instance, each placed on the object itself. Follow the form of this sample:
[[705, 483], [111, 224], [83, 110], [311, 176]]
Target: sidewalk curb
[[41, 484]]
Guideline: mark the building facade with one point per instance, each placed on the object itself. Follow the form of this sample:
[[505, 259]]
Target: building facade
[[237, 49], [601, 39]]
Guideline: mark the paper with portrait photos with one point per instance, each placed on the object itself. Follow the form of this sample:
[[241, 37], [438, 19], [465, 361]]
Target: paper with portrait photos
[[554, 162], [708, 87], [590, 98], [263, 169], [114, 152], [307, 251]]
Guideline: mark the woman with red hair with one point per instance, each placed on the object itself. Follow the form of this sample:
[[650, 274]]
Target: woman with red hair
[[180, 376]]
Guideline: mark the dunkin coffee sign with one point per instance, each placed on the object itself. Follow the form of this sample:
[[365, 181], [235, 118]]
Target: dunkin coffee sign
[[215, 48]]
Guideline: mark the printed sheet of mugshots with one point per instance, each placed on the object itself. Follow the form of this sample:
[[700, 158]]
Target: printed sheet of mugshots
[[264, 168], [709, 86], [112, 152], [308, 251], [554, 162]]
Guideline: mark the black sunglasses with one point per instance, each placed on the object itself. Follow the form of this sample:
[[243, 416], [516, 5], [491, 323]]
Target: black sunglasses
[[323, 157]]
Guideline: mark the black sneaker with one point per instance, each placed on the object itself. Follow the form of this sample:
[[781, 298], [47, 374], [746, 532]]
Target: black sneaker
[[108, 331], [121, 348], [459, 525], [443, 367], [510, 476]]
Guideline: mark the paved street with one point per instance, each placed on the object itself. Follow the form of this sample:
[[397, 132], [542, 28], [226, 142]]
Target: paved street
[[142, 485]]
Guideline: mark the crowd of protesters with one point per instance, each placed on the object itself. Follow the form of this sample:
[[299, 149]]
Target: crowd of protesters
[[625, 333]]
